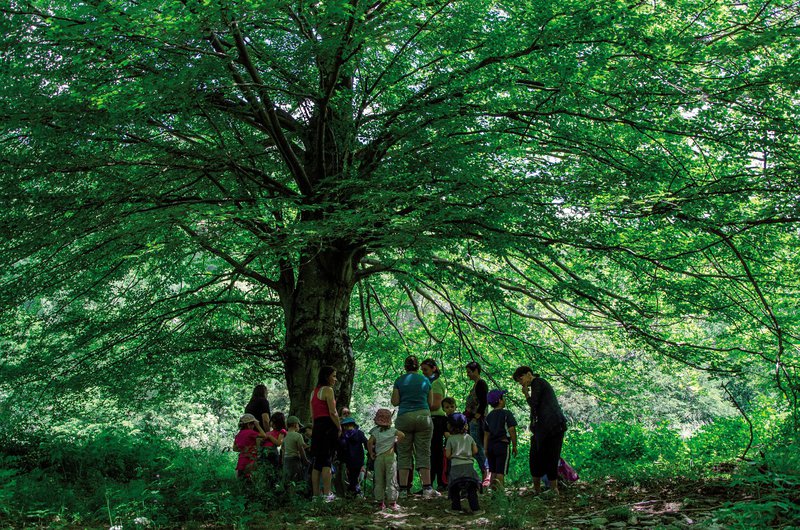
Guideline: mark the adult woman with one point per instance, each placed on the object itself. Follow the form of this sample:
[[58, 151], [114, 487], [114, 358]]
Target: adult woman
[[412, 393], [325, 431], [259, 406], [475, 410], [430, 370], [548, 426]]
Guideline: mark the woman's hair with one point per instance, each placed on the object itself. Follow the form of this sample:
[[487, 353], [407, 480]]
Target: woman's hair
[[243, 426], [260, 391], [430, 363], [411, 363], [522, 370], [278, 421], [324, 373], [474, 366]]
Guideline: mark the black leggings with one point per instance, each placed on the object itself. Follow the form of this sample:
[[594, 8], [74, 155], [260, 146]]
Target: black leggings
[[324, 435]]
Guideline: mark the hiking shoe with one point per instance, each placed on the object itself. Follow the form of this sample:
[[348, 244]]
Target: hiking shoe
[[430, 493], [395, 507], [479, 512], [453, 512]]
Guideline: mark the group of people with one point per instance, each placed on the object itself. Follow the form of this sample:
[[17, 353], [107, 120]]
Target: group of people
[[428, 435]]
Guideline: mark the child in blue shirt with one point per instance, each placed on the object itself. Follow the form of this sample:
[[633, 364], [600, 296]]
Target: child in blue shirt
[[352, 444]]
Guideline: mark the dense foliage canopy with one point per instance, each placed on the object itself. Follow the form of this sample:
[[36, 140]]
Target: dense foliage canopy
[[199, 186]]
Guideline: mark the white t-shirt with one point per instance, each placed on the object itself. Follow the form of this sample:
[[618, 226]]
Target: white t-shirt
[[460, 447], [384, 439]]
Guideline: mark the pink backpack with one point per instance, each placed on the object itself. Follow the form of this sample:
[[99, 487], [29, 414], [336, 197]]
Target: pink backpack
[[566, 472]]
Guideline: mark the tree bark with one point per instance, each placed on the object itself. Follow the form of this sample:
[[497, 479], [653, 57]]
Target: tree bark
[[317, 331]]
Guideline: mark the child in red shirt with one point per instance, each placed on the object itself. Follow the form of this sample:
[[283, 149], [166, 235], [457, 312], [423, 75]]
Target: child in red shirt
[[246, 444]]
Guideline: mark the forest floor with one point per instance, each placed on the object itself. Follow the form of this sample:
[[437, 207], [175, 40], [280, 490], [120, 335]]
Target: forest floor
[[610, 505]]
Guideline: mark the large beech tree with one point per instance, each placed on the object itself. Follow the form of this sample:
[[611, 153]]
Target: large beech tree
[[190, 183]]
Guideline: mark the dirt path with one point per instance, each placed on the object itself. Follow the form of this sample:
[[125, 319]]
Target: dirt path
[[667, 506]]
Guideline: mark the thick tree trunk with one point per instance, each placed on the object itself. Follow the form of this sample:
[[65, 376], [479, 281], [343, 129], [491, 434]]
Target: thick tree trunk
[[317, 328]]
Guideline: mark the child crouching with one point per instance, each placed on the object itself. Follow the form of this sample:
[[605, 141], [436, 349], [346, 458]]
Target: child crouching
[[381, 442], [460, 449]]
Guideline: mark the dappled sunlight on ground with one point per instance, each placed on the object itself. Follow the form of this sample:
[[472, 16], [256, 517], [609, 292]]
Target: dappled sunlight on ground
[[606, 505]]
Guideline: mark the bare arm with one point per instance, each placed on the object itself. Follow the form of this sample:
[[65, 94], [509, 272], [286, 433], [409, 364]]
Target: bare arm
[[400, 435], [474, 449], [265, 418], [327, 395], [430, 400], [395, 397], [512, 433], [371, 447]]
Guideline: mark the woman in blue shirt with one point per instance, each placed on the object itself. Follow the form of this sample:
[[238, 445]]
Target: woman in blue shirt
[[413, 394]]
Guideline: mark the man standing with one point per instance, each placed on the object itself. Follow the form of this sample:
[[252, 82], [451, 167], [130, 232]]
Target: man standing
[[548, 426]]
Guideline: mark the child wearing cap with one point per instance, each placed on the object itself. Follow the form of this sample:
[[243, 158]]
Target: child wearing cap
[[501, 429], [351, 453], [460, 450], [380, 445], [295, 460], [246, 444]]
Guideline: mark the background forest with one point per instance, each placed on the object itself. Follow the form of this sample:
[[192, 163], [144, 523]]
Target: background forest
[[202, 195]]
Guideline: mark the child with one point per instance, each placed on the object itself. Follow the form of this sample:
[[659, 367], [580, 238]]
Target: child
[[449, 407], [246, 444], [351, 453], [460, 449], [274, 439], [501, 428], [381, 442], [294, 452]]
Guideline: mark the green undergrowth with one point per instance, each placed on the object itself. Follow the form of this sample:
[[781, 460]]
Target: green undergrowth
[[105, 477]]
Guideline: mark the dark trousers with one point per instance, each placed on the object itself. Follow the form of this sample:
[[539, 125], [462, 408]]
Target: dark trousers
[[353, 473], [545, 453], [437, 453], [471, 488]]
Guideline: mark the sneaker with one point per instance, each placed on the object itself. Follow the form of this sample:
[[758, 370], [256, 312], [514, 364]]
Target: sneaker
[[395, 507], [453, 512], [430, 493], [479, 512], [330, 497], [382, 506]]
